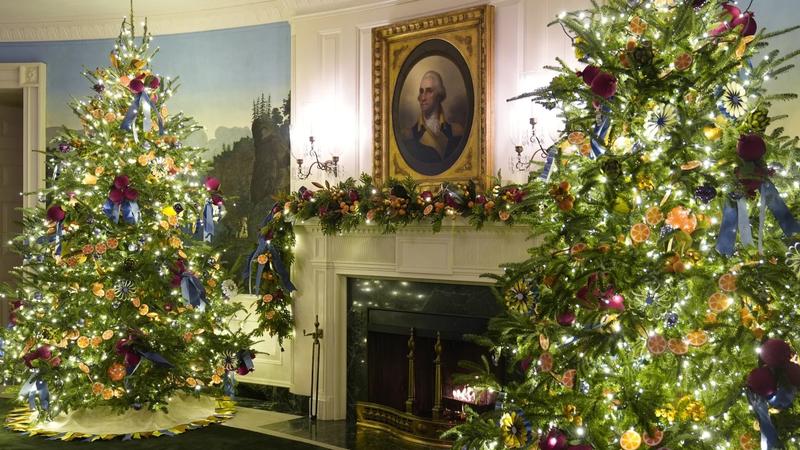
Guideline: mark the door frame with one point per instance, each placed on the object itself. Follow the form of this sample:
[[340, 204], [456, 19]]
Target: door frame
[[32, 79]]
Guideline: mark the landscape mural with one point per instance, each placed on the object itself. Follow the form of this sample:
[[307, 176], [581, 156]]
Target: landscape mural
[[234, 82]]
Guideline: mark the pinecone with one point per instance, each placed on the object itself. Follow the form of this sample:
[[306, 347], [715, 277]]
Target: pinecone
[[759, 120], [705, 193]]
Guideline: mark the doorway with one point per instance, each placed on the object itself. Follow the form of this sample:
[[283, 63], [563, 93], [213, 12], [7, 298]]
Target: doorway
[[11, 183]]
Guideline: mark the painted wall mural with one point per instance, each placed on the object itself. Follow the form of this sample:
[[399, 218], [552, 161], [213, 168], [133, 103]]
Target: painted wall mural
[[234, 82]]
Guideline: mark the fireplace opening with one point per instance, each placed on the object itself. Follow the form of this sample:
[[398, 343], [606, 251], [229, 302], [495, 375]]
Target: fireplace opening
[[383, 357]]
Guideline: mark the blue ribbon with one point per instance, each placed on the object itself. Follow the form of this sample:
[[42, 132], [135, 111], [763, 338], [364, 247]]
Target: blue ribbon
[[130, 116], [208, 221], [129, 211], [193, 291], [156, 359], [784, 397], [57, 237], [769, 435], [601, 128], [229, 384], [548, 163], [277, 264], [247, 272], [244, 355], [33, 388], [778, 208], [726, 241]]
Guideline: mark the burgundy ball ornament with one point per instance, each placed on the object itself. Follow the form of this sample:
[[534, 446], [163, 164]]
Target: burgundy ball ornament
[[131, 194], [56, 214], [604, 85], [776, 353], [44, 352], [751, 147], [566, 318], [762, 381], [242, 370], [155, 83], [555, 439], [116, 195], [615, 301], [55, 362], [589, 73], [136, 86]]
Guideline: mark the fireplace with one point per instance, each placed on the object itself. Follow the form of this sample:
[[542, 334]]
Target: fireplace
[[388, 320]]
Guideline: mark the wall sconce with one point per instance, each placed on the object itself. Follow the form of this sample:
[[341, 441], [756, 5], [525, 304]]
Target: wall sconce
[[523, 163], [330, 166]]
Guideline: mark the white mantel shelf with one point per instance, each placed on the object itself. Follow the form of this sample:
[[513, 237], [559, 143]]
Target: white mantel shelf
[[457, 254]]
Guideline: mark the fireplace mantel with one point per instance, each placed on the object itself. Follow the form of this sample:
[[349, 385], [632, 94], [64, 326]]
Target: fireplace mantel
[[456, 254]]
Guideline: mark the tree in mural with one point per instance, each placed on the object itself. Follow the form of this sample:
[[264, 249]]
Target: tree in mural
[[118, 304], [660, 309]]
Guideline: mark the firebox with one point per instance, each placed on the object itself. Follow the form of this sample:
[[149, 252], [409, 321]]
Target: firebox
[[405, 341]]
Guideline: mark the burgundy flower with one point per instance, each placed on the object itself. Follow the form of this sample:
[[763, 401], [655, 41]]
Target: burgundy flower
[[480, 199], [751, 147], [566, 318], [121, 182], [589, 73], [131, 194], [56, 214], [604, 85], [44, 352], [242, 370], [762, 381], [516, 194], [307, 194], [217, 199], [353, 195], [212, 184], [55, 362], [155, 83], [116, 195], [426, 195], [323, 210], [136, 86]]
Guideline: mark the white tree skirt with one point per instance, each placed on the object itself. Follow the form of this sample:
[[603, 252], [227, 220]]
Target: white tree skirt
[[182, 410]]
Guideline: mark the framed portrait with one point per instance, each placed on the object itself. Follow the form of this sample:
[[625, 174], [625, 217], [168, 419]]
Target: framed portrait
[[431, 89]]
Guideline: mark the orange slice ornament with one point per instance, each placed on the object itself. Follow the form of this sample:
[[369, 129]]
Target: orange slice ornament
[[653, 438], [546, 362], [677, 346], [653, 216], [727, 282], [656, 344], [719, 302], [697, 338], [630, 440], [748, 442], [640, 232], [568, 379]]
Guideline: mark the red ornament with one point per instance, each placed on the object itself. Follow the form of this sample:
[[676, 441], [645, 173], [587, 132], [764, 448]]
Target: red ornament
[[136, 86], [776, 353], [212, 184], [121, 182], [154, 83], [55, 213], [604, 85], [762, 381], [751, 147], [566, 318], [614, 301], [116, 195]]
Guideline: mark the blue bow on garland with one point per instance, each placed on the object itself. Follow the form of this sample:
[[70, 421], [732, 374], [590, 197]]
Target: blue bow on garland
[[735, 216], [769, 435], [208, 221], [265, 244], [141, 101], [601, 127], [35, 388], [129, 210]]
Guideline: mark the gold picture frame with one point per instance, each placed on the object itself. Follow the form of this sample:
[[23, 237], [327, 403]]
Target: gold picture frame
[[432, 94]]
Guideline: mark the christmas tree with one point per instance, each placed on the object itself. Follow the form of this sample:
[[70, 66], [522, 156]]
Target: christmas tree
[[660, 309], [120, 300]]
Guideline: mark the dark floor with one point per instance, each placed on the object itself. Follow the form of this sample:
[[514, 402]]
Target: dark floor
[[341, 434]]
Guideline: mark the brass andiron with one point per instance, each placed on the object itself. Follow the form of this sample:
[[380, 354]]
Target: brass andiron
[[411, 382], [437, 386], [313, 403]]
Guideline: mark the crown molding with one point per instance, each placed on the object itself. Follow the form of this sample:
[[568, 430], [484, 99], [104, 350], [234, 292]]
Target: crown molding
[[256, 13]]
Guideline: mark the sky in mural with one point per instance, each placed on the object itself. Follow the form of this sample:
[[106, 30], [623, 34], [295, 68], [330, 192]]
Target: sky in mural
[[221, 72]]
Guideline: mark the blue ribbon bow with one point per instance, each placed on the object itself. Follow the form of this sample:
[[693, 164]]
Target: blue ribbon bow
[[141, 101], [601, 127], [277, 262], [229, 384], [208, 221], [193, 291], [129, 210], [35, 388]]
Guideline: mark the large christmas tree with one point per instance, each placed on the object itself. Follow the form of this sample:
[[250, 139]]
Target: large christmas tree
[[120, 299], [660, 309]]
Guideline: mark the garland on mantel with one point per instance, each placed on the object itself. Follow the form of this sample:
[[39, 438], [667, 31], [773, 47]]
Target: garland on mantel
[[344, 206]]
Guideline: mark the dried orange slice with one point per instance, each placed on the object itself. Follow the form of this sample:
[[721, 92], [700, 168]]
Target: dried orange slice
[[653, 438], [748, 442], [577, 248], [697, 338], [640, 232], [719, 302], [656, 344], [677, 346], [690, 165], [568, 379], [576, 138], [546, 362], [727, 282], [630, 440], [653, 215]]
